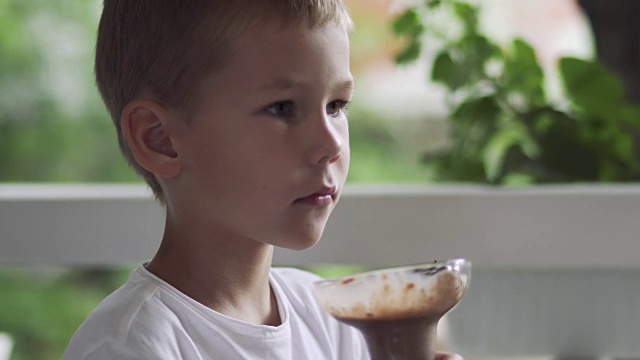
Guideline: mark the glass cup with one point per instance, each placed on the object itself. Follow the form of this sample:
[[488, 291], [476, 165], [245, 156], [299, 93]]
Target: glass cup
[[397, 309]]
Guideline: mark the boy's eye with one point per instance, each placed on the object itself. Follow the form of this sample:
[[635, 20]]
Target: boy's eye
[[336, 107], [281, 109]]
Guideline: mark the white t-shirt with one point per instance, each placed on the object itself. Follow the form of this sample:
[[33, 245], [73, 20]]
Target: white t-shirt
[[147, 318]]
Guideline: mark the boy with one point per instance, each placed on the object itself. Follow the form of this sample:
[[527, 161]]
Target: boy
[[233, 112]]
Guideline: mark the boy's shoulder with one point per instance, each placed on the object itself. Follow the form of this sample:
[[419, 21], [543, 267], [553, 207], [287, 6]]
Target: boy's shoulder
[[134, 309]]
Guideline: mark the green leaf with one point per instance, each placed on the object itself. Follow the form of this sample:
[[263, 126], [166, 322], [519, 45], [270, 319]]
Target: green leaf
[[472, 53], [432, 4], [410, 53], [484, 111], [468, 14], [523, 75], [631, 115], [445, 71], [474, 123], [408, 23], [623, 149], [496, 152], [591, 87], [565, 152], [512, 135]]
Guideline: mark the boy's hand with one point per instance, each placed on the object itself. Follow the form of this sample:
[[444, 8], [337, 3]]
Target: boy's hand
[[448, 356]]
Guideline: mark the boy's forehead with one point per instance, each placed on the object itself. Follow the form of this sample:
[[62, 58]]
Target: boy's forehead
[[275, 57]]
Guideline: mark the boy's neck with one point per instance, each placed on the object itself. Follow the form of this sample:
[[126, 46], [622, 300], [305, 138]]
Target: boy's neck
[[228, 275]]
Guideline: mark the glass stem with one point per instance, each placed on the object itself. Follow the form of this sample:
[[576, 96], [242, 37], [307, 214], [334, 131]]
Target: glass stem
[[410, 339]]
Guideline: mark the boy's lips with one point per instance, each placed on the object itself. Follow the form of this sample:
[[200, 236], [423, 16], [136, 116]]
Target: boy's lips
[[323, 197]]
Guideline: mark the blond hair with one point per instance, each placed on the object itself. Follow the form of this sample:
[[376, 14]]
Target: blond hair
[[164, 48]]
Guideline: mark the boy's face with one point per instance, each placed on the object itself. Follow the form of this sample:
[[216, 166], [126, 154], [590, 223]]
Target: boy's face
[[267, 151]]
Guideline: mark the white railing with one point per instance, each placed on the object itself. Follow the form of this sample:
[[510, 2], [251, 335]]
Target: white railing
[[562, 227]]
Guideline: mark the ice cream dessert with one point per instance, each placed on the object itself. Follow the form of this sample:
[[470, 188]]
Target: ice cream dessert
[[397, 309]]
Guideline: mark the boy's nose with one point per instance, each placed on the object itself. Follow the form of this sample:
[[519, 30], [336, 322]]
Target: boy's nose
[[327, 140]]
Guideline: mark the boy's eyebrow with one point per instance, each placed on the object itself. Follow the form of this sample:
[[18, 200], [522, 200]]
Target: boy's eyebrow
[[288, 83], [281, 84]]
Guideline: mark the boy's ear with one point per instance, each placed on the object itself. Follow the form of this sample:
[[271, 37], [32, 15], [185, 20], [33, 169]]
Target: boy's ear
[[146, 130]]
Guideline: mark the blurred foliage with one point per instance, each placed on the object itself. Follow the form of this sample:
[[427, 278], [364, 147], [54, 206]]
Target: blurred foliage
[[504, 129], [42, 308], [53, 126], [376, 155]]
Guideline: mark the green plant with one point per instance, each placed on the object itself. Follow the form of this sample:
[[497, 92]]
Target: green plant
[[53, 125], [504, 128], [41, 308]]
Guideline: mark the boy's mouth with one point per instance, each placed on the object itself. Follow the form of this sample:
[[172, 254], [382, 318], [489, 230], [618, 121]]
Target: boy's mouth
[[323, 197]]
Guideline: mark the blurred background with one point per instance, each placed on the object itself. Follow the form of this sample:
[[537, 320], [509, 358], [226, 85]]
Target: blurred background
[[501, 92]]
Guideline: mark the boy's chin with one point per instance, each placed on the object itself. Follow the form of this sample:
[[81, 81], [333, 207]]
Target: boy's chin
[[299, 243], [298, 236]]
